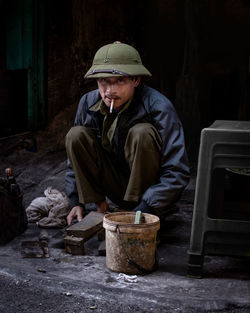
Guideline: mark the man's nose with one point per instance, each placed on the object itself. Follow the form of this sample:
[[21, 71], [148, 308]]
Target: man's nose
[[111, 88]]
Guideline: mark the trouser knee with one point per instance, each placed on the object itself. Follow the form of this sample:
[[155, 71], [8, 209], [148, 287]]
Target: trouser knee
[[75, 135], [145, 135]]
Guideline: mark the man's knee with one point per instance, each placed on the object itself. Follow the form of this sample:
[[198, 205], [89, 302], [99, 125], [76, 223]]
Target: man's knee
[[144, 134], [73, 135]]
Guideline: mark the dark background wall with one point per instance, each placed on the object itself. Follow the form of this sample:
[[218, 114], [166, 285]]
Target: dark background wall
[[197, 50]]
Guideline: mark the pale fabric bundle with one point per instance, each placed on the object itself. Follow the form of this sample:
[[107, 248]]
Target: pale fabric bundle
[[49, 211]]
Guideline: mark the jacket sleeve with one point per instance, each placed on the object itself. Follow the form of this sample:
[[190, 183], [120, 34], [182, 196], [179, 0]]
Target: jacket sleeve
[[174, 169]]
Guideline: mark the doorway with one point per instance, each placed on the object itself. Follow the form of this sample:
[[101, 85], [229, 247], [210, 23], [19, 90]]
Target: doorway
[[22, 83]]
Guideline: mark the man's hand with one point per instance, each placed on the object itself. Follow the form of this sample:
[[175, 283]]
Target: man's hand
[[102, 206], [76, 211]]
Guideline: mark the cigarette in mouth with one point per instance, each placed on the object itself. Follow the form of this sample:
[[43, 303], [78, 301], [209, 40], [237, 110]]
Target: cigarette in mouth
[[111, 105]]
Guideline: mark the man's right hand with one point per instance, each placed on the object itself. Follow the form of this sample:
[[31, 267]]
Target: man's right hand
[[76, 211]]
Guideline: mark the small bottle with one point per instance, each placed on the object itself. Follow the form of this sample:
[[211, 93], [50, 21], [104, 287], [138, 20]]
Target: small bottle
[[13, 186]]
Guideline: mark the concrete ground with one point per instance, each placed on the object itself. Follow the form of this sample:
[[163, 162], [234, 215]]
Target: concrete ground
[[66, 283]]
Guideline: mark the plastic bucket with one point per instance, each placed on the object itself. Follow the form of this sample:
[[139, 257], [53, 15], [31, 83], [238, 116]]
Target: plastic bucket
[[130, 248]]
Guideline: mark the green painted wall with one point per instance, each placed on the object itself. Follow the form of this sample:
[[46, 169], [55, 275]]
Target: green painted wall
[[25, 50]]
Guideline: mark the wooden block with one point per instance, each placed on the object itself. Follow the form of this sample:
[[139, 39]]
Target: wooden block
[[87, 227], [74, 245], [102, 248]]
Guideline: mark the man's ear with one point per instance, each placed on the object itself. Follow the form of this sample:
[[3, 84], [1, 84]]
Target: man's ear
[[136, 80]]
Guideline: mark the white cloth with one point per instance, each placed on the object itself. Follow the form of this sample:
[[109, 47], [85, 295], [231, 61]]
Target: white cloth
[[49, 211], [127, 278]]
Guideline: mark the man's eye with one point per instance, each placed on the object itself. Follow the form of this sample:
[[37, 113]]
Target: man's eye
[[102, 81]]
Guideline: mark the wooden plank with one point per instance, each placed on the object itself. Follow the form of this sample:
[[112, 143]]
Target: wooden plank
[[88, 226]]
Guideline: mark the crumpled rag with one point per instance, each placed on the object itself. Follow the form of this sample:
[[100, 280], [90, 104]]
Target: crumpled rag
[[49, 211]]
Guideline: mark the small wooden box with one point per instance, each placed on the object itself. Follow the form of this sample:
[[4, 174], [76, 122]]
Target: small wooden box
[[74, 245]]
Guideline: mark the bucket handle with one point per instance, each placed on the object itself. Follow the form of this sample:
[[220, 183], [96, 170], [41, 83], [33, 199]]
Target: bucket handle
[[141, 269]]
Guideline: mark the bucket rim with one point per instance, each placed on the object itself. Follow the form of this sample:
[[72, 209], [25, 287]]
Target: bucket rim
[[121, 224]]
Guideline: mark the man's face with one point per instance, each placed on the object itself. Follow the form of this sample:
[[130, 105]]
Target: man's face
[[121, 89]]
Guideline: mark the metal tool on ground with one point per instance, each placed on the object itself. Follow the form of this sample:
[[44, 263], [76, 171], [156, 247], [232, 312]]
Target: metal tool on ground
[[37, 248], [44, 236]]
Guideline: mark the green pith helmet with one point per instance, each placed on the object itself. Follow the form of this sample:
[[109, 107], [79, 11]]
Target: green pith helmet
[[117, 59]]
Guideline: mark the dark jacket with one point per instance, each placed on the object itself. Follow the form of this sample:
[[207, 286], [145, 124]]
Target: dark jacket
[[148, 105]]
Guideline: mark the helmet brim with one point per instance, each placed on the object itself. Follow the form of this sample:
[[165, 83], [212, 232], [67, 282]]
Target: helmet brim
[[113, 70]]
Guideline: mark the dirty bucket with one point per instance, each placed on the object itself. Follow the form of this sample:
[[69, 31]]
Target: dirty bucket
[[130, 248]]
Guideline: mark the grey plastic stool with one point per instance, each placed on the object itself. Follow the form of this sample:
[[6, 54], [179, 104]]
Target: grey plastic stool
[[225, 144]]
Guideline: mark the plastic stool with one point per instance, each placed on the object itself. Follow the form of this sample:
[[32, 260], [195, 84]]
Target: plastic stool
[[225, 144]]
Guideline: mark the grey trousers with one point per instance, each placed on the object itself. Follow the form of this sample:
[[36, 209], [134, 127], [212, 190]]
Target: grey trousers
[[96, 175]]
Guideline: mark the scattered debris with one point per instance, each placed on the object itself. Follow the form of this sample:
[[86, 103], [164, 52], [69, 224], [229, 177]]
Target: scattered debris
[[127, 278], [68, 294], [41, 270], [29, 144]]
